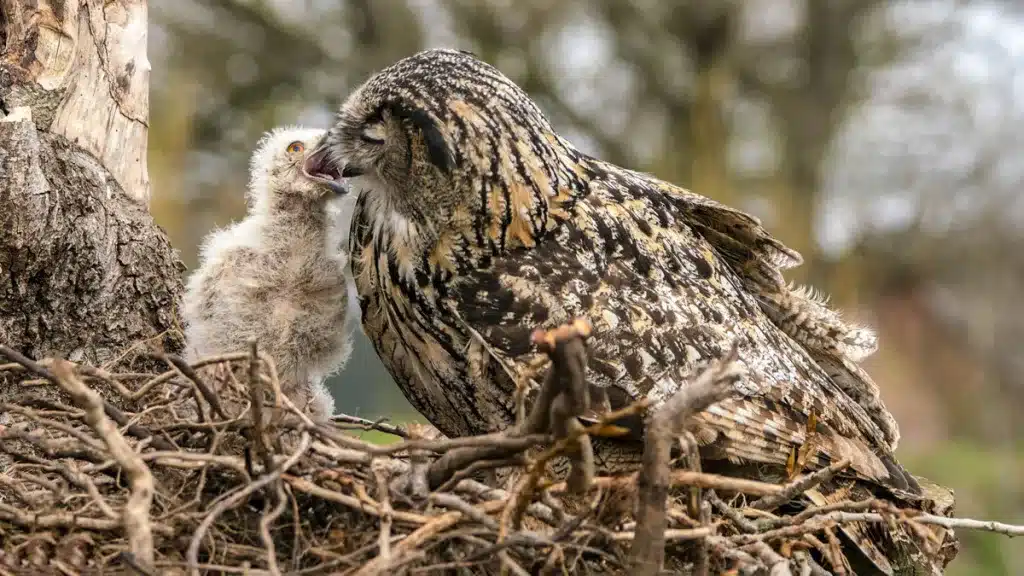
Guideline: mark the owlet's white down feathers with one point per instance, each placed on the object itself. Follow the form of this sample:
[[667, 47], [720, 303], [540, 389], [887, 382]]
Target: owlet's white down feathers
[[279, 275]]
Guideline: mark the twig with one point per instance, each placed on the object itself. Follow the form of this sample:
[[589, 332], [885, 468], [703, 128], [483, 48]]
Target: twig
[[81, 480], [303, 485], [777, 565], [188, 372], [702, 560], [725, 549], [68, 429], [522, 495], [109, 409], [713, 384], [192, 554], [259, 437], [667, 536], [799, 486], [458, 504], [378, 425], [266, 522], [384, 497], [135, 515], [379, 565], [153, 382], [416, 483], [1011, 530], [731, 513], [839, 563], [68, 520], [537, 510], [816, 522], [563, 398], [567, 349], [686, 478]]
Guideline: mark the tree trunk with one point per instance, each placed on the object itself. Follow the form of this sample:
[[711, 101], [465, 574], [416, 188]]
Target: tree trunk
[[86, 272], [711, 45]]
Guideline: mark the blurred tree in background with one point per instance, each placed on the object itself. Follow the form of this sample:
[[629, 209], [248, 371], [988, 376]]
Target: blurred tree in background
[[881, 139]]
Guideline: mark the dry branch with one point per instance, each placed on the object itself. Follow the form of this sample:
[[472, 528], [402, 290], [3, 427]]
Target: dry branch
[[799, 486], [211, 397], [364, 424], [135, 515], [563, 397], [712, 385], [109, 409]]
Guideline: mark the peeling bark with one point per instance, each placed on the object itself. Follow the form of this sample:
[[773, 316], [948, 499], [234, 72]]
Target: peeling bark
[[85, 273]]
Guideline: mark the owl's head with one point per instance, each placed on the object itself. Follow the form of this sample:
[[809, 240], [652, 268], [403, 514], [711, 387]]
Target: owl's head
[[276, 170], [437, 130]]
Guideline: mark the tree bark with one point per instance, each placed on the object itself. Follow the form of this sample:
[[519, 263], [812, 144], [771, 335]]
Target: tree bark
[[85, 271]]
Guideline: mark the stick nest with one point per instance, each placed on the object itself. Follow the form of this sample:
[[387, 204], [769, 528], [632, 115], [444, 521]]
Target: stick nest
[[208, 468]]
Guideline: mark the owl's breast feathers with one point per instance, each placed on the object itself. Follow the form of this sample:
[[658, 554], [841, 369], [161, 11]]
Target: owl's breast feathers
[[668, 279]]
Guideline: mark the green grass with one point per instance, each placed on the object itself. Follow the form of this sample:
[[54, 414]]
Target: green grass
[[987, 482], [383, 438], [375, 437]]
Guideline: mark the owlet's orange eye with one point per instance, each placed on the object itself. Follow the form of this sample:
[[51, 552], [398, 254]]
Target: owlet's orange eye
[[296, 147]]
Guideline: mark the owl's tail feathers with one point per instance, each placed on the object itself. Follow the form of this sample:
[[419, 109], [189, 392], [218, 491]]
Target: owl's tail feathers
[[759, 259], [805, 316], [799, 312], [835, 345], [855, 382], [742, 430]]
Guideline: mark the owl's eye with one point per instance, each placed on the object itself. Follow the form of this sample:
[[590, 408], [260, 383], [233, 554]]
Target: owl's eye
[[296, 147], [373, 133]]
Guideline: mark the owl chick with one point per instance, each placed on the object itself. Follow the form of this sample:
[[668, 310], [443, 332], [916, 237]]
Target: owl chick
[[280, 274], [476, 223]]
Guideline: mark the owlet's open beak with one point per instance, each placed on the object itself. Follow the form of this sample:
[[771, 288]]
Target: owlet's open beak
[[320, 167]]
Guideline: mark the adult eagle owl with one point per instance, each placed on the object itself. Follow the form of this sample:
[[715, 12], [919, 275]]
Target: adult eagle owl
[[476, 223]]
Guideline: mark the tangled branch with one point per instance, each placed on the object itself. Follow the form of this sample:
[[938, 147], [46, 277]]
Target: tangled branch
[[224, 474]]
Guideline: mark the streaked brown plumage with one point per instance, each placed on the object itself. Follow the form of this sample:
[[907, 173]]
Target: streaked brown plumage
[[476, 223]]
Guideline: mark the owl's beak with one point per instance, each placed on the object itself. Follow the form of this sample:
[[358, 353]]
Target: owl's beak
[[320, 167]]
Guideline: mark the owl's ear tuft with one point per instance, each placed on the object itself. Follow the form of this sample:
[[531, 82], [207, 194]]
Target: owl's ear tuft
[[437, 147]]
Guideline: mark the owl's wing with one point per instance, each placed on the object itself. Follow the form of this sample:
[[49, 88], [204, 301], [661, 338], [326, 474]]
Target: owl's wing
[[738, 237], [758, 258], [663, 302]]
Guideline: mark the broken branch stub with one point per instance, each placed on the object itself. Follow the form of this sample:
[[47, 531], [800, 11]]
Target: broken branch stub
[[563, 396], [666, 424]]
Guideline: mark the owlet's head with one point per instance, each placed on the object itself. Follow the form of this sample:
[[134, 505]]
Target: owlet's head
[[437, 130], [276, 170]]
